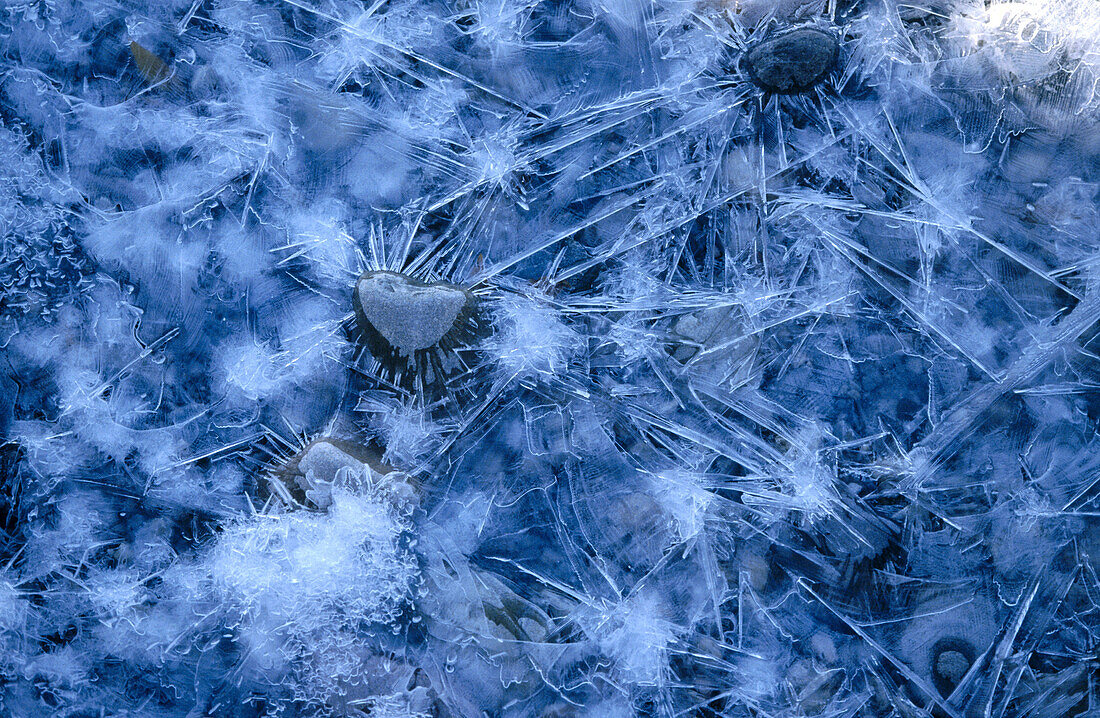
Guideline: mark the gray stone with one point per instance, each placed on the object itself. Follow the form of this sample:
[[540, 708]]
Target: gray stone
[[951, 666], [716, 342], [794, 61], [321, 465], [707, 328], [327, 463], [410, 315]]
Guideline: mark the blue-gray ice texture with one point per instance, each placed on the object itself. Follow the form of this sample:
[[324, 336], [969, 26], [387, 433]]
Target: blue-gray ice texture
[[772, 405]]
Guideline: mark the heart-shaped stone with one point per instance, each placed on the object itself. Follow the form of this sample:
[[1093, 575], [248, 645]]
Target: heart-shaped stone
[[794, 61], [409, 314]]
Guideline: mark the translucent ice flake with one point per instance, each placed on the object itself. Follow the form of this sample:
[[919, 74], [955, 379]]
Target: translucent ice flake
[[409, 431], [636, 637]]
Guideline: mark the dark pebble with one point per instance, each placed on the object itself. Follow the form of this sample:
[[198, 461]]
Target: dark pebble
[[951, 659], [792, 62]]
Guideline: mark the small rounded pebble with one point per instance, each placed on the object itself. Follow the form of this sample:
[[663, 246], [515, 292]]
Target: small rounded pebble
[[328, 462], [951, 659], [794, 61], [410, 315], [319, 467], [952, 666]]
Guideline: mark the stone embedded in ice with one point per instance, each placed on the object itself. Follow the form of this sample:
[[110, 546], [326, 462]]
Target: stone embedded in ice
[[320, 467], [952, 665], [410, 315], [326, 463], [794, 61], [715, 340], [323, 461], [706, 328], [951, 660]]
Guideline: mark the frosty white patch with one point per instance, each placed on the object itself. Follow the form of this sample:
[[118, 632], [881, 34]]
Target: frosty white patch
[[408, 314]]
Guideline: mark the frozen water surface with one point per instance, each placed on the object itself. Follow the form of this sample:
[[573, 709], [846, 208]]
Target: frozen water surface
[[668, 358]]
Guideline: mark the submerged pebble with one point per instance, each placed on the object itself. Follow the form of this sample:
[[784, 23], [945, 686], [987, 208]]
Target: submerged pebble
[[794, 61], [410, 315], [952, 665], [320, 467], [951, 659], [327, 463]]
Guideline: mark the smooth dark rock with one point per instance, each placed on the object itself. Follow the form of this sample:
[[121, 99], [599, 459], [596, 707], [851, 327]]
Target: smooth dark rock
[[792, 62]]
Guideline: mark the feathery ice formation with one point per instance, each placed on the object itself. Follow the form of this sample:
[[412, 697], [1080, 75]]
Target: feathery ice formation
[[553, 358]]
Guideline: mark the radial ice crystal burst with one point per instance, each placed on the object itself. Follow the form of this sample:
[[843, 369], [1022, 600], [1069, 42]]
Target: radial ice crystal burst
[[417, 334], [656, 358]]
